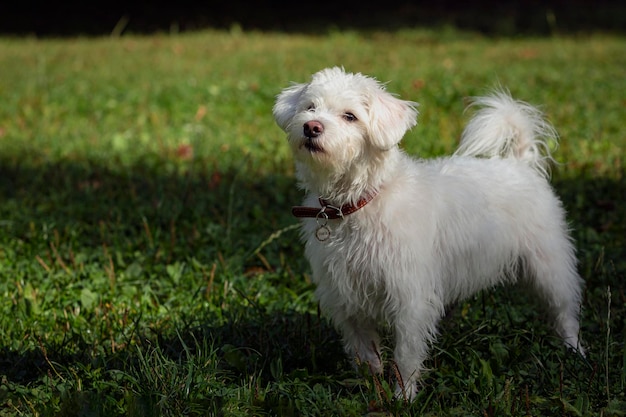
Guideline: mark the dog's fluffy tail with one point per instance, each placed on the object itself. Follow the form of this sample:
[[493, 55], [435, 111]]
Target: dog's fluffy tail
[[507, 128]]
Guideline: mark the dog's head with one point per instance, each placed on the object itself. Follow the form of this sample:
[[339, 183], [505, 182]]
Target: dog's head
[[340, 119]]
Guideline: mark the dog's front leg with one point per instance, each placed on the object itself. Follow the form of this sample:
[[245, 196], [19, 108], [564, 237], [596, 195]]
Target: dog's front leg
[[361, 340], [415, 330]]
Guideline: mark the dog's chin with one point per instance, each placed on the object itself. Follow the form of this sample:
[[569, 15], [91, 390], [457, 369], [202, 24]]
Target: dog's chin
[[312, 145]]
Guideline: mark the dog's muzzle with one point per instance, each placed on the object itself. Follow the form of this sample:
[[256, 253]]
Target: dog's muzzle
[[311, 130]]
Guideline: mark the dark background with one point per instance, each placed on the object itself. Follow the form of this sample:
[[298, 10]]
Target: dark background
[[491, 17]]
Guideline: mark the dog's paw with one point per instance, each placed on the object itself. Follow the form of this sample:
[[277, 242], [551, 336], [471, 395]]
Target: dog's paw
[[371, 362], [406, 391]]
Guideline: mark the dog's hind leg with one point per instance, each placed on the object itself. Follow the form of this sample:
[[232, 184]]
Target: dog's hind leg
[[552, 270]]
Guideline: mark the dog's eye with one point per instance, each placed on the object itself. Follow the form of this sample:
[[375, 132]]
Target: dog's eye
[[349, 117]]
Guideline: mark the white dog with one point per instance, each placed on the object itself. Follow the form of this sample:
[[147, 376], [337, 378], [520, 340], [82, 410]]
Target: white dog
[[391, 238]]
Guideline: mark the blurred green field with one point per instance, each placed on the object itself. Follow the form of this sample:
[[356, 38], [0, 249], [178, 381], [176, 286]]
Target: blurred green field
[[149, 265]]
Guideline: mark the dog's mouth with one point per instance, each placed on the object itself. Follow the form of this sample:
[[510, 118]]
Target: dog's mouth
[[311, 145]]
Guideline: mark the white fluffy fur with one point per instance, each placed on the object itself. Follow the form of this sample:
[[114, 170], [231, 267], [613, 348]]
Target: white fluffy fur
[[437, 231]]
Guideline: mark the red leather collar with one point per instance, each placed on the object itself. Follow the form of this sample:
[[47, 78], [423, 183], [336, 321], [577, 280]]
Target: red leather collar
[[329, 211]]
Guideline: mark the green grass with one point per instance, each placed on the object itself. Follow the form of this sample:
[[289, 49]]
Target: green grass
[[149, 265]]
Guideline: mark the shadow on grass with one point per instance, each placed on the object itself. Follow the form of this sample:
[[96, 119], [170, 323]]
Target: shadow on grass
[[58, 217], [184, 210], [268, 346], [53, 214], [202, 367], [596, 214]]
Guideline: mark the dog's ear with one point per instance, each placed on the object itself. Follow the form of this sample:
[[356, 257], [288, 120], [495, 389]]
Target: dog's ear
[[287, 103], [389, 118]]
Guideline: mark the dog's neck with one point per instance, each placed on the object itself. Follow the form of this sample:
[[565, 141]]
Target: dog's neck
[[349, 185]]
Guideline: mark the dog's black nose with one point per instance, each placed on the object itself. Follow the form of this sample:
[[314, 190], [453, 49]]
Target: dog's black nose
[[313, 129]]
